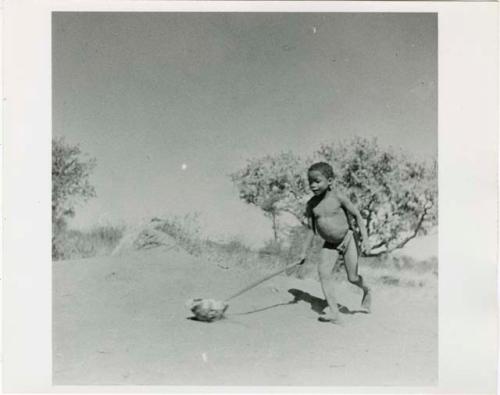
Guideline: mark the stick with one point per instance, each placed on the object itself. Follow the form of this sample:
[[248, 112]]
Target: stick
[[249, 287]]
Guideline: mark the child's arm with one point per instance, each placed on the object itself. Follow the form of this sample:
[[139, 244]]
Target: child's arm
[[309, 236], [351, 209], [307, 242]]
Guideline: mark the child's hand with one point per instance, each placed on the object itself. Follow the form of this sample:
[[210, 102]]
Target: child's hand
[[296, 267], [365, 246]]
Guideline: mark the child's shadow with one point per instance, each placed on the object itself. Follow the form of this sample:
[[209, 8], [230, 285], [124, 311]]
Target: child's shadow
[[317, 304]]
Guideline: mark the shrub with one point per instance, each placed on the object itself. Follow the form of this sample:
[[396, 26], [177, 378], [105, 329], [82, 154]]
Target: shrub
[[70, 185], [184, 230], [75, 244], [396, 194]]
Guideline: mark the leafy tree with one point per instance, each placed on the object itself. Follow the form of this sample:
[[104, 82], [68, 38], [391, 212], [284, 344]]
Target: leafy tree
[[396, 194], [276, 184], [70, 184]]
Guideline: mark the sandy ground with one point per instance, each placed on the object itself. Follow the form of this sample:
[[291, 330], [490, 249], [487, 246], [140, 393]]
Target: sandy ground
[[122, 320]]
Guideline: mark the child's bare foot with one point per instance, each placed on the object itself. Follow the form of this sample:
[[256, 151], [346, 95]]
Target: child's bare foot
[[366, 302], [332, 319]]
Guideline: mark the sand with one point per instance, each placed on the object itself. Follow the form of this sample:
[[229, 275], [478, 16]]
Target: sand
[[122, 320]]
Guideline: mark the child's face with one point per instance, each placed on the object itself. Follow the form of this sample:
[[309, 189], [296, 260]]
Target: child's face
[[318, 182]]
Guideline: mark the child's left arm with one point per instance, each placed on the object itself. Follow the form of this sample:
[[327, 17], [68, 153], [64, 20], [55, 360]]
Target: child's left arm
[[351, 209]]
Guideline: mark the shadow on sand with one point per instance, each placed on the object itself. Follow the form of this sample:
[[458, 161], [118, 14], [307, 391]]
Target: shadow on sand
[[318, 304]]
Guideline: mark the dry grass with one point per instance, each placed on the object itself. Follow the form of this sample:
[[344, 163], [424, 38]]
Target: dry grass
[[403, 271], [390, 271], [98, 241], [184, 230]]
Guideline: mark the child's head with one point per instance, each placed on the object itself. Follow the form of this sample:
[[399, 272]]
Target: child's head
[[320, 176], [323, 167]]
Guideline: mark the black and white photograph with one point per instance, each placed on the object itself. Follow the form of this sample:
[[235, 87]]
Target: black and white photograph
[[250, 197], [245, 198]]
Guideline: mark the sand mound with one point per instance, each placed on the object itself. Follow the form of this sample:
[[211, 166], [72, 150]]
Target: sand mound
[[146, 236]]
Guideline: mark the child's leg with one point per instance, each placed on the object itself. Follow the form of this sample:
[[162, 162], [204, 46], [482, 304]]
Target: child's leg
[[351, 265], [329, 258]]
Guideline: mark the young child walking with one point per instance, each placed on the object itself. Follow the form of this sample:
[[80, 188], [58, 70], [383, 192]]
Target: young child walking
[[327, 217]]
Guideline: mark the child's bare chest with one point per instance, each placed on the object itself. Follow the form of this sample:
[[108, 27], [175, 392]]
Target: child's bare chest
[[328, 207]]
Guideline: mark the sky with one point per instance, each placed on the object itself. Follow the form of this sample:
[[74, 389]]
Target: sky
[[170, 104]]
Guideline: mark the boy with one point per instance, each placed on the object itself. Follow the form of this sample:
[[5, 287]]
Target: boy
[[327, 217]]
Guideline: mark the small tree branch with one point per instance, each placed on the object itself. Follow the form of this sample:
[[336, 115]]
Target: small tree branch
[[275, 225], [375, 254], [413, 235], [382, 243], [370, 214]]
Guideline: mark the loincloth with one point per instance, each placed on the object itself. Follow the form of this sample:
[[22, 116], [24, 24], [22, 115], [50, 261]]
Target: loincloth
[[343, 245]]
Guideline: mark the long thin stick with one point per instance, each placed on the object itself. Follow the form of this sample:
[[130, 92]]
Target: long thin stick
[[249, 287]]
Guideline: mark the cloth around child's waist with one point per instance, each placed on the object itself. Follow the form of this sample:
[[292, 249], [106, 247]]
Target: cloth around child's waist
[[343, 245]]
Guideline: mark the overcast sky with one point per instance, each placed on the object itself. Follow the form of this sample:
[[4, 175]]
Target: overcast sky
[[170, 103]]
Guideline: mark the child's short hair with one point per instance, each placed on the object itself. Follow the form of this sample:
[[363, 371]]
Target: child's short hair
[[323, 167]]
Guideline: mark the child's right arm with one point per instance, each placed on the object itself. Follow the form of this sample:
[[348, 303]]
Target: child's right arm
[[307, 243], [309, 236]]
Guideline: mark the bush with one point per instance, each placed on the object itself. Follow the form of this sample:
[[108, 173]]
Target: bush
[[71, 171], [184, 230], [396, 195], [75, 244]]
